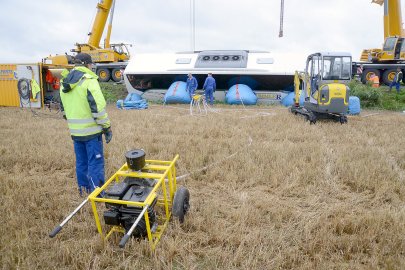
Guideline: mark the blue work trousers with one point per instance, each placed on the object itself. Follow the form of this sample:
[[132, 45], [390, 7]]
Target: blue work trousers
[[89, 164], [191, 90], [209, 95], [396, 84]]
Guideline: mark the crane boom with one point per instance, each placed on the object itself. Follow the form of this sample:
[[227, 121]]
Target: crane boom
[[103, 9], [108, 36], [392, 18]]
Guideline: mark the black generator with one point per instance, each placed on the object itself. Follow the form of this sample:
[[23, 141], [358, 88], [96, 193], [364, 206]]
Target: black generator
[[134, 190]]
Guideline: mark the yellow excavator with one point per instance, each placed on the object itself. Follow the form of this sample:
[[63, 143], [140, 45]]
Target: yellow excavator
[[110, 58], [384, 62], [321, 90]]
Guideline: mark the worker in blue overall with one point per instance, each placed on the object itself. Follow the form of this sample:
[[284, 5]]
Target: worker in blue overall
[[191, 84], [209, 88], [84, 107], [397, 80]]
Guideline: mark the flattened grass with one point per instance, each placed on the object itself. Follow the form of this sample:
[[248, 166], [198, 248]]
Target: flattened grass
[[294, 196]]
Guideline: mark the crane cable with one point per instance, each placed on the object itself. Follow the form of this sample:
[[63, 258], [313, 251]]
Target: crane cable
[[281, 19]]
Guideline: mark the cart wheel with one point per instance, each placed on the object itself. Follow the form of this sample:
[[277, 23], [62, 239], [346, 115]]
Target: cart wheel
[[181, 203]]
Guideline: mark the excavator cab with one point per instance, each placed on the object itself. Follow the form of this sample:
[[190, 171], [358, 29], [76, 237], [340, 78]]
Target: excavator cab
[[323, 86]]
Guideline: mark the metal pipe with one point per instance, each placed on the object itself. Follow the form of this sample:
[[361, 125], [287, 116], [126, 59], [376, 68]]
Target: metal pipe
[[59, 227], [280, 34]]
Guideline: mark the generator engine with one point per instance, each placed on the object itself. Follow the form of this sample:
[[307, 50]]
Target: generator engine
[[135, 190]]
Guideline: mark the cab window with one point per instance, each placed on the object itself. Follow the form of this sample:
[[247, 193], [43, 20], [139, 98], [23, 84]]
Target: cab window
[[389, 44], [336, 68]]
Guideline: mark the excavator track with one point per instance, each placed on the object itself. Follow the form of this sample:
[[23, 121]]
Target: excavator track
[[312, 117], [307, 114]]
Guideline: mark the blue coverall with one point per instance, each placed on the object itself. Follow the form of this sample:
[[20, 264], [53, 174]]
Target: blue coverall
[[191, 85], [397, 81], [209, 88]]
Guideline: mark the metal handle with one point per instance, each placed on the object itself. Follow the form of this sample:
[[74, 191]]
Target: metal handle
[[59, 227], [55, 231], [126, 237]]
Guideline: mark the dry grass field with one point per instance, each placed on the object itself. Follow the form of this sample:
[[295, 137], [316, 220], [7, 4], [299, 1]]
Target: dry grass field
[[294, 196]]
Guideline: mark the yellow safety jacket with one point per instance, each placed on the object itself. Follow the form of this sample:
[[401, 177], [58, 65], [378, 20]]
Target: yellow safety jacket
[[35, 89], [83, 104]]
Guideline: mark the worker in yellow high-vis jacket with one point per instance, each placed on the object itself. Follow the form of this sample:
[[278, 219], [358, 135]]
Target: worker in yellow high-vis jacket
[[84, 108]]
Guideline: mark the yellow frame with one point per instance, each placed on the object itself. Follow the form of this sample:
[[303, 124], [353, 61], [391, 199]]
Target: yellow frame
[[154, 169]]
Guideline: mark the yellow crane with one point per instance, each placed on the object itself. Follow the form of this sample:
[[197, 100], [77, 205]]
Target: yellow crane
[[394, 45], [384, 61], [110, 58]]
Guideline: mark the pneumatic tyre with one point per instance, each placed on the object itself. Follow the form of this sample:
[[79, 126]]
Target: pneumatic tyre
[[116, 75], [367, 74], [389, 76], [103, 74], [181, 203]]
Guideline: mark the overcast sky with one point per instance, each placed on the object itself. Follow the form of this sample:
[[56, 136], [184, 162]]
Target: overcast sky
[[31, 30]]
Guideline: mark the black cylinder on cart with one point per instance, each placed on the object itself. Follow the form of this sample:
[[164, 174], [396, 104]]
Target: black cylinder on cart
[[135, 159]]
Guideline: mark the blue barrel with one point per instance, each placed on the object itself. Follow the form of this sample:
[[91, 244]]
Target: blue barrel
[[240, 94], [177, 93], [354, 105]]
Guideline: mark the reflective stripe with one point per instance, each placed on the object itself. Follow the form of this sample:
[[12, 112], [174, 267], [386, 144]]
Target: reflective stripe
[[86, 130], [81, 121], [81, 81], [102, 113], [103, 121]]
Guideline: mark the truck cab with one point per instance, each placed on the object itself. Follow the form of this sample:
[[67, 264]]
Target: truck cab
[[393, 49]]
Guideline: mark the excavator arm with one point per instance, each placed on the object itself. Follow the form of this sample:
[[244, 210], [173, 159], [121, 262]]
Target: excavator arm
[[301, 82]]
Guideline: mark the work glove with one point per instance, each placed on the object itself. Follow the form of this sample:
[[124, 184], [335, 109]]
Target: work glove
[[107, 134]]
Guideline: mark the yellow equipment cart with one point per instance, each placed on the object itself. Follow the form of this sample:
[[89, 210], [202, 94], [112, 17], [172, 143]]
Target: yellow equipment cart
[[139, 199]]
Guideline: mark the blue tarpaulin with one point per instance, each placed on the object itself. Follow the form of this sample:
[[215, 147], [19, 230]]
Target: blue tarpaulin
[[177, 93], [241, 94], [288, 100], [133, 101]]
